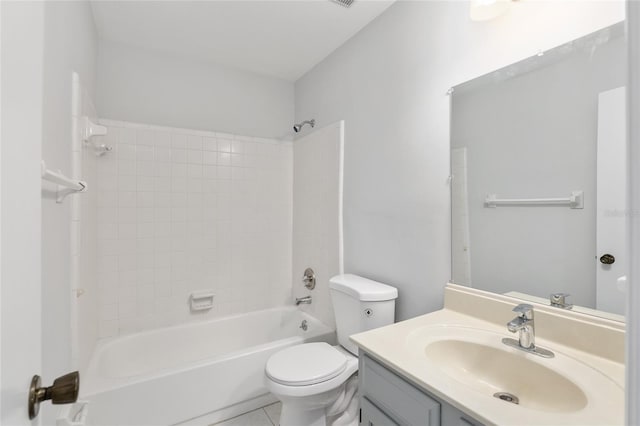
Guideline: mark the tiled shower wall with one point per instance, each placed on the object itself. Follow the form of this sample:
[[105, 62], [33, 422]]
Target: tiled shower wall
[[182, 211], [317, 212]]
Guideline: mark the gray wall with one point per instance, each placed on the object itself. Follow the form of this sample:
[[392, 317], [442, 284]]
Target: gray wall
[[146, 87], [535, 136], [389, 84]]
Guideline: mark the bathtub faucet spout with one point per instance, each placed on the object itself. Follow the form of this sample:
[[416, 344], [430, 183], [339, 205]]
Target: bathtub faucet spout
[[304, 300]]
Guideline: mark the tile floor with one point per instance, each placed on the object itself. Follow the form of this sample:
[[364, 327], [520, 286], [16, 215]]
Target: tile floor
[[265, 416]]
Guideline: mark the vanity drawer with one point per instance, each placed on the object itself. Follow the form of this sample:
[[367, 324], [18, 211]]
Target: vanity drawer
[[394, 397], [373, 416], [451, 416]]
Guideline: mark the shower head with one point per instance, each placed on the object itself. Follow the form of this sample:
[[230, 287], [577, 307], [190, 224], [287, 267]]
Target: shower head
[[345, 3], [298, 127]]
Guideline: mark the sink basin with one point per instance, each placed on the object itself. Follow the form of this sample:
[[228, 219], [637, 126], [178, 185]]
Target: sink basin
[[474, 364], [491, 370]]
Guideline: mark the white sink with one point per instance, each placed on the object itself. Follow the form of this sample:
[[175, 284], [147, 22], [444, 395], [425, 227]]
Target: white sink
[[478, 360], [456, 354], [492, 370]]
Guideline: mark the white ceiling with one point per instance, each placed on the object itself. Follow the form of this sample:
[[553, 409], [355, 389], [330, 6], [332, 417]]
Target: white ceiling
[[278, 38]]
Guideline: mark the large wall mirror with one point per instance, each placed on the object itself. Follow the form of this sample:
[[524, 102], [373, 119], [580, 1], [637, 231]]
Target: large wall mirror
[[538, 163]]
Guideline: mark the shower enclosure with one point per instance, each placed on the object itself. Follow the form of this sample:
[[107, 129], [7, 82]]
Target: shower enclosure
[[186, 255]]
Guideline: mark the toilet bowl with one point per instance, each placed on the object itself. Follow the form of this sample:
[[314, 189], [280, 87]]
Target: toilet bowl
[[317, 382], [308, 379]]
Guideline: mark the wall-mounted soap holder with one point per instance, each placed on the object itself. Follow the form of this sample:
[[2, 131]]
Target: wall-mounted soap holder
[[88, 130], [201, 300]]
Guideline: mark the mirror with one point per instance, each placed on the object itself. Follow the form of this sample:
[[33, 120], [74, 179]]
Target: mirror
[[538, 165]]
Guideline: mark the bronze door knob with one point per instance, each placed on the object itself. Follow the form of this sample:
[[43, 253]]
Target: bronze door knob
[[63, 391], [607, 259]]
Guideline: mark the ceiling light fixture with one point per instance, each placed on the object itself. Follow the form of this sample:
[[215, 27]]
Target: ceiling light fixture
[[484, 10]]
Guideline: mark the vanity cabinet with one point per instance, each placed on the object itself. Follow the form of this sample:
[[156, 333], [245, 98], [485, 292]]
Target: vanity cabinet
[[388, 399]]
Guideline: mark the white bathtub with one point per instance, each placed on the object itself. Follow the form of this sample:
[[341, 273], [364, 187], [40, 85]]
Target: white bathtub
[[173, 375]]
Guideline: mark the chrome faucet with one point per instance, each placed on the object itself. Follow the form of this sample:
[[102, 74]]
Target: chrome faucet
[[303, 300], [524, 325]]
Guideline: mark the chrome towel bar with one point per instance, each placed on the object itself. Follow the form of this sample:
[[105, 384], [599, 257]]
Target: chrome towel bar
[[575, 201]]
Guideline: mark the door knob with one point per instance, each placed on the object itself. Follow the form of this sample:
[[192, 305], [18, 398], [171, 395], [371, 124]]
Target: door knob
[[607, 259], [63, 391]]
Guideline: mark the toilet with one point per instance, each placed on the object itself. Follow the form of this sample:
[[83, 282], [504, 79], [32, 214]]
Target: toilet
[[317, 382]]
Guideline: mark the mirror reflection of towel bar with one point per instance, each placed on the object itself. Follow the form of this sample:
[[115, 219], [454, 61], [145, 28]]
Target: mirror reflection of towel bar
[[575, 201]]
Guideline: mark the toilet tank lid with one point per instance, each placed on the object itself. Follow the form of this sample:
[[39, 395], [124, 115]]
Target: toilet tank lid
[[362, 288]]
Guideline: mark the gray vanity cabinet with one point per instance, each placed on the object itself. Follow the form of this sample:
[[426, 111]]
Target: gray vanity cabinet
[[387, 399], [370, 415]]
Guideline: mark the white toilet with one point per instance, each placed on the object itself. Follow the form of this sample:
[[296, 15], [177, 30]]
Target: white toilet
[[316, 382]]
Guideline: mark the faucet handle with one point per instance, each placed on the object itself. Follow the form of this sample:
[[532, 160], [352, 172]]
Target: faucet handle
[[559, 300], [524, 310], [558, 297]]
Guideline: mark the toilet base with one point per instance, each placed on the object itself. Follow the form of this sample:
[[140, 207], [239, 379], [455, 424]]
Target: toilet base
[[292, 416], [338, 407]]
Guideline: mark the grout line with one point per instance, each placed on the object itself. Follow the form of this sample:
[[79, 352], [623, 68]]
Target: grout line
[[268, 417]]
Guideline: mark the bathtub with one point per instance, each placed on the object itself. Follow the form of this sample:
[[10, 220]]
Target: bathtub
[[177, 374]]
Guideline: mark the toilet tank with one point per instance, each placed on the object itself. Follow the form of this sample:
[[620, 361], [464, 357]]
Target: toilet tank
[[359, 305]]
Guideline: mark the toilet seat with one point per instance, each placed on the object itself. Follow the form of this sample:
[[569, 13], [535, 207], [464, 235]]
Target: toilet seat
[[306, 364], [328, 384]]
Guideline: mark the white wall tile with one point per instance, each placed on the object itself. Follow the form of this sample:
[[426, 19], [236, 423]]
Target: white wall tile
[[126, 152], [162, 184], [127, 198], [127, 167], [163, 154], [109, 312], [145, 183], [144, 153], [145, 199], [210, 144], [179, 155], [194, 157], [145, 168], [145, 229], [224, 145], [195, 171], [178, 141], [162, 139], [194, 143], [210, 158], [144, 137], [185, 210], [108, 329], [126, 136]]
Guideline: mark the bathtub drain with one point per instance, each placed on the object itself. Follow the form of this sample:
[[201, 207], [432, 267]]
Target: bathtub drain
[[506, 396]]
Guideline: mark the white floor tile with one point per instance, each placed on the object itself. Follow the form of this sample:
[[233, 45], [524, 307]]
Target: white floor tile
[[273, 411], [253, 418]]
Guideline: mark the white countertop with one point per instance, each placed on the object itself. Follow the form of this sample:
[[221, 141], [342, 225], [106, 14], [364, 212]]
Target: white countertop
[[401, 348]]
